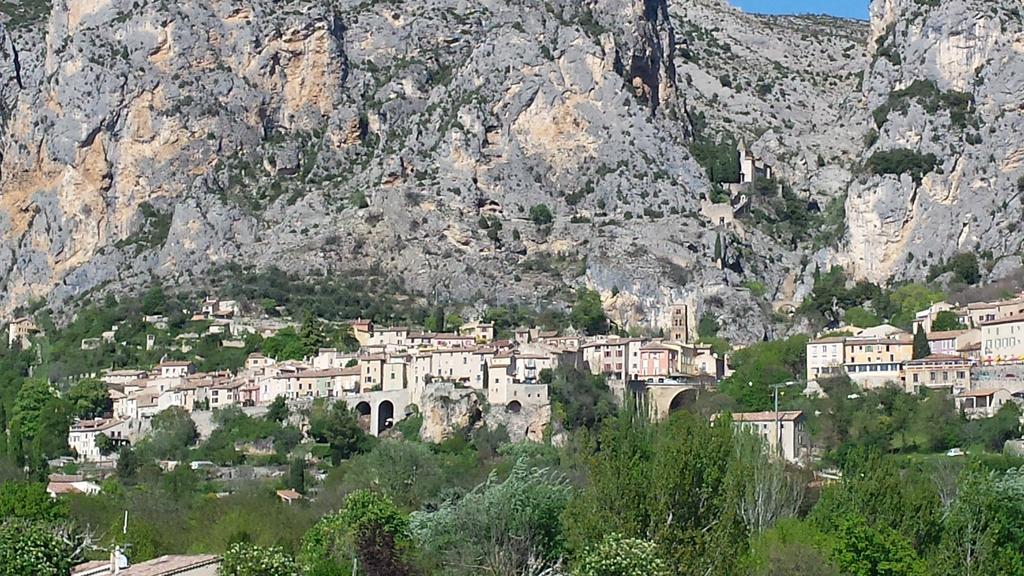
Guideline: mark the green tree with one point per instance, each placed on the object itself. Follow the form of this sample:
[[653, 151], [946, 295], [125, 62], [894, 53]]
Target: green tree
[[336, 425], [946, 320], [243, 559], [173, 433], [618, 556], [105, 444], [42, 420], [285, 345], [30, 501], [985, 525], [89, 398], [154, 301], [541, 215], [588, 312], [334, 539], [579, 398], [297, 475], [675, 483], [861, 318], [312, 334], [127, 464], [758, 367], [278, 410], [28, 547], [719, 253], [863, 550], [707, 327], [501, 526], [921, 347]]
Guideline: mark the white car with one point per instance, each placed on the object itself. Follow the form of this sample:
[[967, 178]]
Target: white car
[[955, 452]]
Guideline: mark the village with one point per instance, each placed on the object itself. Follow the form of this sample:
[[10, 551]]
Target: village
[[397, 371]]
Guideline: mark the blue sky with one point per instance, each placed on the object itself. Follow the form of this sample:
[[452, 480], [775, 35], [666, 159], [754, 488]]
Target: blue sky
[[845, 8]]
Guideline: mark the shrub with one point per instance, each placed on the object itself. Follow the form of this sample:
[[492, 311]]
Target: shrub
[[541, 215], [902, 161]]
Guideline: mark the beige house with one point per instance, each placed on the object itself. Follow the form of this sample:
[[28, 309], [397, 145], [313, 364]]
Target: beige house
[[876, 362], [83, 434], [389, 336], [227, 393], [950, 342], [825, 357], [617, 358], [1002, 341], [949, 373], [175, 369], [481, 332], [458, 365], [257, 362], [783, 432], [20, 331], [362, 331], [982, 403], [980, 313], [120, 377], [372, 369]]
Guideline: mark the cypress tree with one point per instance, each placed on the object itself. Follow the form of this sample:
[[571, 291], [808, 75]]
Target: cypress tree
[[921, 348]]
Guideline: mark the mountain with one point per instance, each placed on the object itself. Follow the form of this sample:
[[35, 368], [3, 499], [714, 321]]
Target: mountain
[[504, 150], [943, 91]]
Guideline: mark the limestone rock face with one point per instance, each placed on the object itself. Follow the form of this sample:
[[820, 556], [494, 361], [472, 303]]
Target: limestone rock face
[[448, 411], [144, 139], [530, 423], [945, 80]]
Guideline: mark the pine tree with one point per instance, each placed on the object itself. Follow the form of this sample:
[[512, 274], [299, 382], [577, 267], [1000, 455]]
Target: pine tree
[[921, 348]]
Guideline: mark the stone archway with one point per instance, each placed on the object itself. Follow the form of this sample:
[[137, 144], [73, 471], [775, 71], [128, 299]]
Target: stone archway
[[363, 415], [684, 399], [515, 407], [385, 415]]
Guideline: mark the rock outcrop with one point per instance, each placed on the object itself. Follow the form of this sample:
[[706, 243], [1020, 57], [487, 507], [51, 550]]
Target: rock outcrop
[[943, 87], [164, 140]]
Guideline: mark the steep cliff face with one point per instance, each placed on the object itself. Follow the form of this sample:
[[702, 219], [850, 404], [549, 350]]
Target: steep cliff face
[[142, 139], [944, 80], [164, 139]]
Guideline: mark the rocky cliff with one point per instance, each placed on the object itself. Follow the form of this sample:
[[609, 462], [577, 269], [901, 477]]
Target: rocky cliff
[[153, 139], [943, 96]]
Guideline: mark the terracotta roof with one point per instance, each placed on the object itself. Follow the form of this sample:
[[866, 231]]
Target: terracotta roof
[[175, 364], [979, 393], [829, 340], [62, 488], [946, 334], [658, 346], [65, 477], [1007, 320], [970, 347], [289, 494], [168, 565], [932, 358], [97, 425], [124, 372], [767, 416], [900, 340]]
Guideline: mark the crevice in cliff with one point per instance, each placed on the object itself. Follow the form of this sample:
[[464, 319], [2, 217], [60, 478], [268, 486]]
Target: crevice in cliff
[[17, 65]]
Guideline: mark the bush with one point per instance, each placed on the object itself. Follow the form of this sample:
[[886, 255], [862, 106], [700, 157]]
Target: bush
[[618, 556], [541, 215], [243, 559], [902, 161], [964, 267]]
